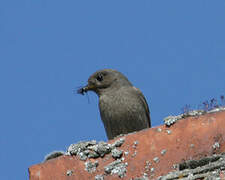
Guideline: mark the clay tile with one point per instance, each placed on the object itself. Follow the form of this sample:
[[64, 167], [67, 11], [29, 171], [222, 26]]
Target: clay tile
[[186, 145]]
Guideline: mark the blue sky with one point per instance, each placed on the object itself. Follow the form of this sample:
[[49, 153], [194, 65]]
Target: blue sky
[[174, 51]]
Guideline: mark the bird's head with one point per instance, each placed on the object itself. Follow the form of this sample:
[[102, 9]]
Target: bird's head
[[105, 80]]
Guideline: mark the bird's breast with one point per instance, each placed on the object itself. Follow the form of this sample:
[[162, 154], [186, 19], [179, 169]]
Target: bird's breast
[[122, 112], [118, 105]]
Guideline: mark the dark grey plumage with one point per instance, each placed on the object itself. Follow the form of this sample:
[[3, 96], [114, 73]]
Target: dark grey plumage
[[123, 107]]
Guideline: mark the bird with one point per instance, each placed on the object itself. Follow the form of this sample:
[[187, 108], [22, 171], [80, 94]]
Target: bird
[[123, 107]]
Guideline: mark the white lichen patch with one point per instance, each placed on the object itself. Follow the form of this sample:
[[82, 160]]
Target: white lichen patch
[[156, 159], [91, 166], [116, 167], [168, 121], [92, 149], [117, 153], [99, 177], [69, 172], [216, 145], [163, 151]]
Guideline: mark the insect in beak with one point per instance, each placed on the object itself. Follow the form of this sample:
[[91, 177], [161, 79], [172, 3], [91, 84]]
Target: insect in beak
[[82, 90]]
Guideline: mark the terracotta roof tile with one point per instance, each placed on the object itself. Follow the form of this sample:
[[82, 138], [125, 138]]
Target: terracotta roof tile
[[148, 154]]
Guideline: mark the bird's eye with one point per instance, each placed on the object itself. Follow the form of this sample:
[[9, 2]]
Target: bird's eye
[[99, 77]]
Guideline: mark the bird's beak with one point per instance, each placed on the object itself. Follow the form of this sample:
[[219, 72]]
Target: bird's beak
[[86, 88]]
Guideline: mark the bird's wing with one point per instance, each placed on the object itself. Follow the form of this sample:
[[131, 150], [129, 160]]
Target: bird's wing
[[143, 100]]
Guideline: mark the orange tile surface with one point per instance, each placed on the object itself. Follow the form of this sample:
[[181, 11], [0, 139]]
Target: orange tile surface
[[152, 152]]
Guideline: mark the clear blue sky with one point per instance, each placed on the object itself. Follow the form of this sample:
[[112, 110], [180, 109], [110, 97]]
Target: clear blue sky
[[174, 51]]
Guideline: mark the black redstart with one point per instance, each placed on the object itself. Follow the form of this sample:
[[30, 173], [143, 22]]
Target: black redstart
[[123, 107]]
